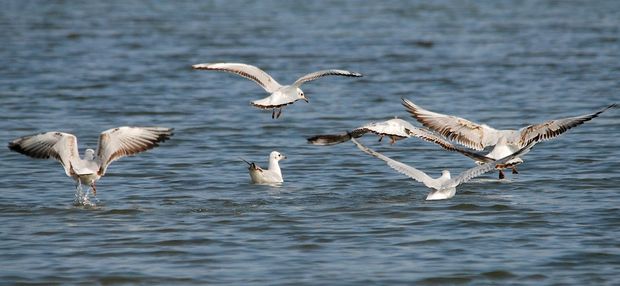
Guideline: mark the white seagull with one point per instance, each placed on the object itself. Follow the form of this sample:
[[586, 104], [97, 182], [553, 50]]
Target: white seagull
[[395, 129], [504, 142], [280, 95], [443, 187], [270, 176], [113, 144]]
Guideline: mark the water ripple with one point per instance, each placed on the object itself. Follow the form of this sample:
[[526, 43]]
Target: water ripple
[[186, 214]]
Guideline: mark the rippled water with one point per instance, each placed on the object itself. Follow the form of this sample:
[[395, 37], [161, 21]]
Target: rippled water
[[185, 213]]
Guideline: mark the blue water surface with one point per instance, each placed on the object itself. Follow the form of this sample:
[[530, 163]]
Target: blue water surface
[[185, 213]]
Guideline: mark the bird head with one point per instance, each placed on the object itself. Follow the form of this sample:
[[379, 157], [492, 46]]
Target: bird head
[[275, 155], [301, 95], [89, 154], [445, 174]]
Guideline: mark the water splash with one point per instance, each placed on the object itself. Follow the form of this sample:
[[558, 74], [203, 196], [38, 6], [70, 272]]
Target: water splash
[[82, 198]]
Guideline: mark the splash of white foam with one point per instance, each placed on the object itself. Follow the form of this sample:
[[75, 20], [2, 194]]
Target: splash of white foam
[[82, 198]]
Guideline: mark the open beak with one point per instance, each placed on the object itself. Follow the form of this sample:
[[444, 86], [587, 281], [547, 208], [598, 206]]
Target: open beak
[[306, 100]]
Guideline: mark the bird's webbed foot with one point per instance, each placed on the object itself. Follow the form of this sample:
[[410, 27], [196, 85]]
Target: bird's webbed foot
[[393, 140]]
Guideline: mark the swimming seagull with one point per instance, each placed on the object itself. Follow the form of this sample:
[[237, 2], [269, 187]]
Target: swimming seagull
[[504, 142], [113, 144], [280, 95], [269, 176], [444, 187], [395, 129]]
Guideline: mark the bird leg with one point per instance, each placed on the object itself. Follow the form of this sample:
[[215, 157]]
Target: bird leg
[[273, 113], [393, 140], [501, 174], [380, 137], [514, 170], [94, 189], [279, 112]]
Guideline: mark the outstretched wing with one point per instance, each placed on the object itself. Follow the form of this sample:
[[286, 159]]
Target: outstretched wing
[[318, 74], [250, 72], [126, 141], [553, 128], [429, 136], [467, 133], [395, 128], [399, 167], [484, 168], [57, 145]]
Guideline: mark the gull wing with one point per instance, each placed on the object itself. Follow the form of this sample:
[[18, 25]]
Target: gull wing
[[126, 141], [484, 168], [319, 74], [250, 72], [395, 128], [252, 165], [57, 145], [464, 132], [429, 136], [553, 128], [400, 167]]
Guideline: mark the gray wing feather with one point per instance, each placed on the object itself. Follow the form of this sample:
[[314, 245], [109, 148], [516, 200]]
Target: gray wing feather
[[484, 168], [402, 168], [247, 71], [464, 132], [553, 128], [124, 141], [57, 145], [319, 74]]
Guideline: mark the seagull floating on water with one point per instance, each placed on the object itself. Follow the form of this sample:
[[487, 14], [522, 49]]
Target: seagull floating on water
[[280, 95], [504, 142], [113, 144], [270, 176], [444, 187], [395, 129]]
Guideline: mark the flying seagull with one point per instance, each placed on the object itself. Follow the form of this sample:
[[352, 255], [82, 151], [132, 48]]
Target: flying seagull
[[270, 176], [113, 144], [280, 95], [504, 142], [395, 129], [444, 187]]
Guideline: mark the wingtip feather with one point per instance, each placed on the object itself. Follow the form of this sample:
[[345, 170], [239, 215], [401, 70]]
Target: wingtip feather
[[16, 146], [329, 139], [202, 66]]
